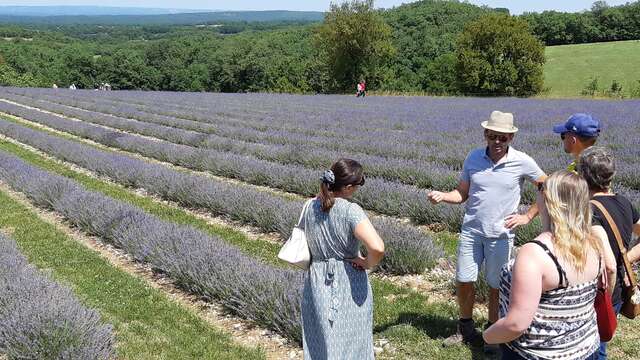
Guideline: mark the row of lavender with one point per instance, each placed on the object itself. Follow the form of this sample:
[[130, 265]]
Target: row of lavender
[[202, 264], [40, 319], [244, 142], [420, 119], [404, 202], [382, 196], [258, 172], [438, 142], [370, 149], [625, 154], [408, 249]]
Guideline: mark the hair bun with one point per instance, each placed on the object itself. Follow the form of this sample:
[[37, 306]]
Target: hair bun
[[328, 177]]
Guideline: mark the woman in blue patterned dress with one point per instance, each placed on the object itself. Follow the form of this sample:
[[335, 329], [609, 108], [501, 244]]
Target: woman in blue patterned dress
[[337, 305], [547, 293]]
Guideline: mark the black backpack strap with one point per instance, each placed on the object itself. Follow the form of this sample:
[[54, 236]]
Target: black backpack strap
[[562, 275]]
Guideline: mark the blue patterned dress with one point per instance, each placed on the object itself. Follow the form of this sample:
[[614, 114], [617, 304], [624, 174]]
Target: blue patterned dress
[[337, 305]]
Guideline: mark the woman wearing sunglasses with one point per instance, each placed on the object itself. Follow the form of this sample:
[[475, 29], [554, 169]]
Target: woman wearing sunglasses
[[547, 292], [337, 305]]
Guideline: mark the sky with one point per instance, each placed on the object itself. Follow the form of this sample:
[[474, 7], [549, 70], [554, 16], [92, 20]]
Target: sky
[[516, 6]]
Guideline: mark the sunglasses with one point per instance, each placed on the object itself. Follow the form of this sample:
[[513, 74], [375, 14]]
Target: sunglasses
[[541, 187], [494, 137], [361, 183]]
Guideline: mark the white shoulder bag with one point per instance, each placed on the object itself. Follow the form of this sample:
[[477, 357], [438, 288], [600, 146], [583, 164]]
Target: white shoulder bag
[[296, 250]]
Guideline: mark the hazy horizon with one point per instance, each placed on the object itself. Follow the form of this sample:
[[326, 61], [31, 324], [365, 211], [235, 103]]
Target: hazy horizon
[[516, 7]]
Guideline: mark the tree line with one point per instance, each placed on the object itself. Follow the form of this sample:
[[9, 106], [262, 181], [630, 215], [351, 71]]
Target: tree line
[[417, 47], [601, 23]]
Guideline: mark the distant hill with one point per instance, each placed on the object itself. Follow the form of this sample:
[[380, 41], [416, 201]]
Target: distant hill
[[570, 67], [166, 19], [86, 11]]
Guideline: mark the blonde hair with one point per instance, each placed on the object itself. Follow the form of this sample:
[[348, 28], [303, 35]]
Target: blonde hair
[[566, 197]]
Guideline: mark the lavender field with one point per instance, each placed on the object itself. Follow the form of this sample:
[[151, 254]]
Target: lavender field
[[36, 312], [267, 153]]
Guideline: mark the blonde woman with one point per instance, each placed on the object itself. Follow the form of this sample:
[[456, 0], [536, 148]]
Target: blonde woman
[[547, 292]]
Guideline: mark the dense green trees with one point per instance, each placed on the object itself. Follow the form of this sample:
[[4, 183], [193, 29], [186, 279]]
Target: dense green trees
[[282, 58], [355, 43], [497, 55], [602, 23], [10, 77], [425, 33]]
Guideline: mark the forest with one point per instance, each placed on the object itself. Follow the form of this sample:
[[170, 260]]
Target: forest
[[277, 56]]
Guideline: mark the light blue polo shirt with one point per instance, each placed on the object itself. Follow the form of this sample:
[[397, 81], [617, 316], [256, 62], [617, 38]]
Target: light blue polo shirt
[[494, 190]]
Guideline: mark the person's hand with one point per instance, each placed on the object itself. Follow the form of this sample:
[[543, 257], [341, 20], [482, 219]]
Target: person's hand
[[435, 197], [359, 263], [515, 220]]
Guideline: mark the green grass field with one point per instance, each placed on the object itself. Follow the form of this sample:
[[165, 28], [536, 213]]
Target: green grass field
[[570, 67]]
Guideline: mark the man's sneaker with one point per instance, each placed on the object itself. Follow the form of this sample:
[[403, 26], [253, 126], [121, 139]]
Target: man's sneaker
[[466, 334], [491, 349]]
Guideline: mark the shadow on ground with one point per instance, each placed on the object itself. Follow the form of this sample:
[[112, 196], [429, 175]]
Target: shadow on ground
[[435, 327]]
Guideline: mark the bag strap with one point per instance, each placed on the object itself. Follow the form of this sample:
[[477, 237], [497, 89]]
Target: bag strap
[[304, 210], [604, 276], [562, 276], [616, 233]]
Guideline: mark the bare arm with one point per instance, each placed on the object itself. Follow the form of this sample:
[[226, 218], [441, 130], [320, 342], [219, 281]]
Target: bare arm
[[457, 196], [526, 288], [634, 253], [610, 264], [367, 234], [516, 220]]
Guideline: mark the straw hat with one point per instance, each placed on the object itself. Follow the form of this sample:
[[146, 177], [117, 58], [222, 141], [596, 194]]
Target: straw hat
[[500, 122]]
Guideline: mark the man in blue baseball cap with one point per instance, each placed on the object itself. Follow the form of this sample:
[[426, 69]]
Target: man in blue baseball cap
[[579, 132]]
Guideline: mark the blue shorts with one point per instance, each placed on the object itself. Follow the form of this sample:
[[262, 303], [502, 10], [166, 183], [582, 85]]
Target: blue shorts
[[474, 249]]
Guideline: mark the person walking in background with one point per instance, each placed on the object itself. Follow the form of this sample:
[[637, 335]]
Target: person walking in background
[[537, 321], [361, 89], [578, 133], [491, 182], [596, 165], [337, 305]]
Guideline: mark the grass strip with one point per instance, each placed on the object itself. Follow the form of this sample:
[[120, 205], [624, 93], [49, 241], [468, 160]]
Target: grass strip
[[147, 324]]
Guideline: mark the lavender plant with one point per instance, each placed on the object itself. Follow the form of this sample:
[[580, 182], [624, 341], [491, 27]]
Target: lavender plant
[[406, 171], [420, 141], [241, 203], [40, 319], [202, 264], [435, 131]]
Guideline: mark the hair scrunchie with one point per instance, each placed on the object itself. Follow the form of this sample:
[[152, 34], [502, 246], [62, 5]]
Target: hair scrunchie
[[328, 177]]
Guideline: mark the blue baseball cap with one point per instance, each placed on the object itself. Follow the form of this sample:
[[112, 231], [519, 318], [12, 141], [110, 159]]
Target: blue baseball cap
[[585, 125]]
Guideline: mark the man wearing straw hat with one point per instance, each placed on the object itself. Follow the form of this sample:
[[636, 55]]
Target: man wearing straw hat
[[490, 183]]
